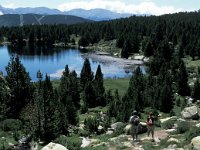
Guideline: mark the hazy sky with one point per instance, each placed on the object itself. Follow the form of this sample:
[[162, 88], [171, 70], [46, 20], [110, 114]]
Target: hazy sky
[[156, 7]]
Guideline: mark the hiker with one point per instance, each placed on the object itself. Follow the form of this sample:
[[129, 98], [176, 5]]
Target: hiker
[[134, 121], [150, 125]]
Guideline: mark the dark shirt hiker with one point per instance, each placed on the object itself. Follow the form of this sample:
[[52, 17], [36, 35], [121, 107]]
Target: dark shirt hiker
[[150, 125], [134, 121]]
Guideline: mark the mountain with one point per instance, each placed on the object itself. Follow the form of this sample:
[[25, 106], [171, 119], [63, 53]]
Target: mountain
[[96, 14], [93, 14], [35, 19]]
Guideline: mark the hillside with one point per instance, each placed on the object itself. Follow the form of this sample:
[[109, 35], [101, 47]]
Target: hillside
[[34, 19]]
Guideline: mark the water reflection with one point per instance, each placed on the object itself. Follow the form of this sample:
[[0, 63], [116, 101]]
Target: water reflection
[[53, 60]]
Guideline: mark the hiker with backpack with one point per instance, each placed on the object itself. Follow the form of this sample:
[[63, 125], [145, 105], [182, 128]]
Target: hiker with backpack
[[150, 125], [134, 121]]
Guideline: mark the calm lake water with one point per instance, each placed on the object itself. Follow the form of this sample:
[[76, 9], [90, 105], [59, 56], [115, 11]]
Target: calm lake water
[[52, 61]]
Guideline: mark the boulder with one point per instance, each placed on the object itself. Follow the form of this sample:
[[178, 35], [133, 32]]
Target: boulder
[[100, 129], [196, 143], [173, 140], [198, 125], [120, 138], [171, 130], [54, 146], [168, 118], [190, 113], [117, 126], [142, 128]]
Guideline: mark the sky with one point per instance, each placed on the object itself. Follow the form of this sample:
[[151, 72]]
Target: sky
[[155, 7]]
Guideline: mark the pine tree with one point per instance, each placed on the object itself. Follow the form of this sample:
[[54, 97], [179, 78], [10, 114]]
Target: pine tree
[[166, 95], [74, 89], [89, 96], [4, 98], [69, 95], [196, 91], [20, 85], [182, 83], [48, 108], [126, 49], [86, 74], [148, 51], [99, 88]]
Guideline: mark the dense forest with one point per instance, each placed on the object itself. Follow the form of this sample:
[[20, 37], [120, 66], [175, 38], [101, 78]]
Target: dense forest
[[48, 112]]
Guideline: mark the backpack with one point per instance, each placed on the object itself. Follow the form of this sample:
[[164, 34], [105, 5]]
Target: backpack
[[135, 120]]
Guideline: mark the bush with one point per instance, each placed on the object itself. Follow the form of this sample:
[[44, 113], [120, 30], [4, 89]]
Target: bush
[[193, 132], [11, 125], [91, 124], [183, 127], [168, 124], [72, 143]]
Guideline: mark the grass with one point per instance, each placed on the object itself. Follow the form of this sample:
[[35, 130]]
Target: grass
[[109, 83], [106, 46], [119, 83]]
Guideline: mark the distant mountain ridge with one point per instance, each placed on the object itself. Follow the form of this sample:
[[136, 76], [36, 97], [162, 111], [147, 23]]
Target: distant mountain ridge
[[36, 19], [93, 14]]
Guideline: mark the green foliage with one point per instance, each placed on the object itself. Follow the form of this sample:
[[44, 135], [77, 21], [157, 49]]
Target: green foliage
[[4, 98], [196, 90], [20, 85], [86, 74], [99, 87], [11, 125], [148, 146], [183, 88], [72, 143], [183, 126], [169, 124], [193, 132], [91, 124]]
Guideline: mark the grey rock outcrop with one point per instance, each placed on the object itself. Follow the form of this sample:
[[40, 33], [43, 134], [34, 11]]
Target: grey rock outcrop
[[196, 143], [54, 146], [190, 113]]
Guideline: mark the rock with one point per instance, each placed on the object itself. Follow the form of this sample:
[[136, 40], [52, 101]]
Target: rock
[[168, 118], [190, 113], [196, 143], [127, 144], [109, 132], [85, 142], [101, 144], [172, 146], [171, 130], [142, 128], [81, 126], [120, 138], [54, 146], [198, 125], [100, 129], [173, 140], [117, 126]]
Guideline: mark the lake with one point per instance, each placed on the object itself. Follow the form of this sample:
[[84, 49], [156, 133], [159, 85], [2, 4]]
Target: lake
[[52, 61]]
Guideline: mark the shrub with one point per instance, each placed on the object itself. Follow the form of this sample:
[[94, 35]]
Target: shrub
[[11, 125], [91, 124], [183, 127], [168, 124], [72, 143], [193, 132]]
